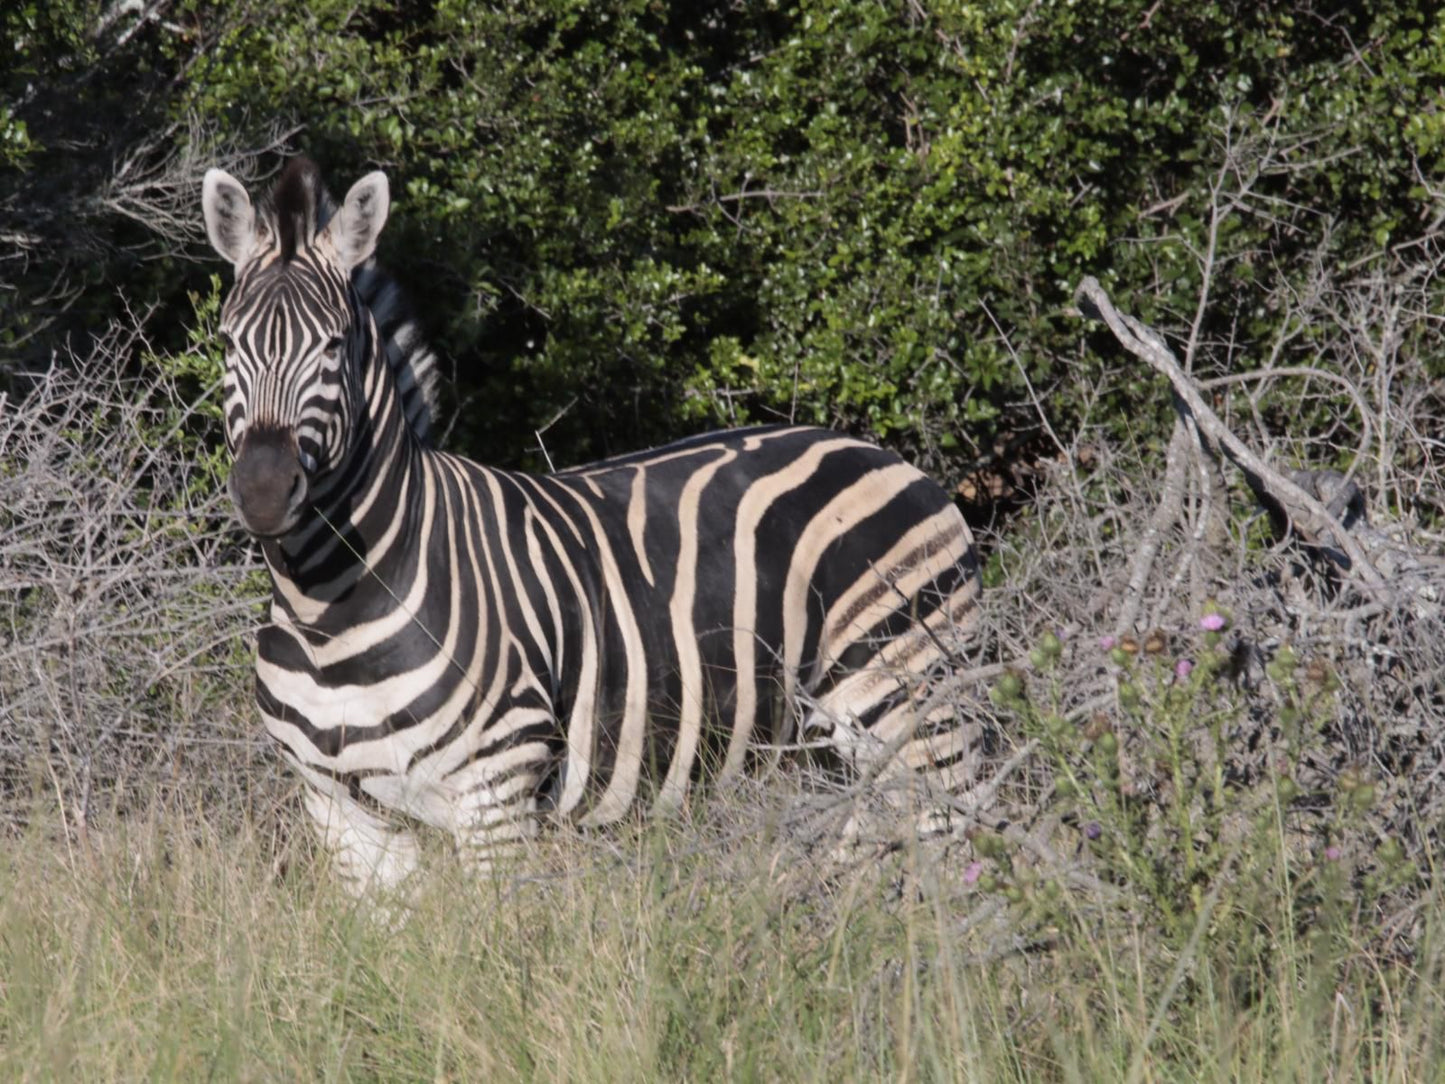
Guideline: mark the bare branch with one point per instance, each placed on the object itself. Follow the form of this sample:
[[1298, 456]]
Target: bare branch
[[1306, 513], [125, 600]]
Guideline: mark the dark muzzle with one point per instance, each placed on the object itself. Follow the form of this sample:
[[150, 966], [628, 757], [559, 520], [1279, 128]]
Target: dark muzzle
[[268, 484]]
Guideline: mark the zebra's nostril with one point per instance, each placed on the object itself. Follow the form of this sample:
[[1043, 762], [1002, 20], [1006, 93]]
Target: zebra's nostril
[[296, 495]]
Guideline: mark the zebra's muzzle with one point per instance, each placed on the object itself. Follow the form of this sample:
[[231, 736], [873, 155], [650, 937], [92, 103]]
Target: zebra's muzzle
[[268, 484]]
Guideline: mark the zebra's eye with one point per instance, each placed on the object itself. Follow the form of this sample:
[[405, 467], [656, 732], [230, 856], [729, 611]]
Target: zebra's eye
[[334, 345]]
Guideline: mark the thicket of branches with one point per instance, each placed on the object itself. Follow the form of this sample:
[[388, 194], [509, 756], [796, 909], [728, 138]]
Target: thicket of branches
[[126, 603], [1236, 639]]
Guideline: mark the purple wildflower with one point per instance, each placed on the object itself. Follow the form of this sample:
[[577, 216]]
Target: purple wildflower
[[1332, 853], [1211, 622], [971, 872], [1093, 830], [1106, 643], [1182, 668]]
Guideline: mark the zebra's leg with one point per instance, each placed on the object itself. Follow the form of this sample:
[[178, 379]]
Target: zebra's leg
[[905, 750], [832, 721], [496, 815], [369, 853]]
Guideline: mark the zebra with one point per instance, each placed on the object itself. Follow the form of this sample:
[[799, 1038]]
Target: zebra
[[479, 650]]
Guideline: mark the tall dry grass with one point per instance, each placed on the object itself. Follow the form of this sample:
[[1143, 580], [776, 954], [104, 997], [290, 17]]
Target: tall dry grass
[[180, 947]]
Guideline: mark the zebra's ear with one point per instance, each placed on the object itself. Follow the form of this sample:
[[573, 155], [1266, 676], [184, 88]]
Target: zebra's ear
[[230, 218], [354, 229]]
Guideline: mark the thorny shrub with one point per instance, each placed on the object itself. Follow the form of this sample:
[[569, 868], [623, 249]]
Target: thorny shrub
[[126, 599], [1229, 719]]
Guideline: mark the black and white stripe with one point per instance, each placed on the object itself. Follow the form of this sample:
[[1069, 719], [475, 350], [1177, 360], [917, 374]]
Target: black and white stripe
[[470, 648]]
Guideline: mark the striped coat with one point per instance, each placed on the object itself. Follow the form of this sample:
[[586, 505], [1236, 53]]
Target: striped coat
[[472, 649]]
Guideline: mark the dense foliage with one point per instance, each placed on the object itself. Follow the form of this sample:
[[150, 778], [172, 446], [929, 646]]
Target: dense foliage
[[634, 219]]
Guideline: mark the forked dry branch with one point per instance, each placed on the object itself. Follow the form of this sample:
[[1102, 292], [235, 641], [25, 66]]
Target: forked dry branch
[[1322, 508]]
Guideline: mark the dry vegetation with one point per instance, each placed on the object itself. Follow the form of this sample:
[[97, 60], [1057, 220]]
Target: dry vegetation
[[128, 602]]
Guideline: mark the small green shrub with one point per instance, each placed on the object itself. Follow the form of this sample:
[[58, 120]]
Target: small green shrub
[[1202, 796]]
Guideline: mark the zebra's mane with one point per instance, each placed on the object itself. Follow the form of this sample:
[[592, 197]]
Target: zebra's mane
[[296, 210], [413, 363]]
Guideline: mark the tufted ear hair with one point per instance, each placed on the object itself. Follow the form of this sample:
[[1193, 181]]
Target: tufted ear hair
[[354, 229], [230, 218]]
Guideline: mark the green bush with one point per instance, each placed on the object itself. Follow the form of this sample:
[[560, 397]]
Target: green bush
[[651, 218]]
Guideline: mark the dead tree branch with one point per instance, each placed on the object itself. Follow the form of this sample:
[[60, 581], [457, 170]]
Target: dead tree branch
[[1305, 513]]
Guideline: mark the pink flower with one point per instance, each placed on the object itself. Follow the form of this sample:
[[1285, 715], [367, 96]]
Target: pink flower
[[1332, 853], [1212, 622], [971, 872], [1182, 668], [1106, 642]]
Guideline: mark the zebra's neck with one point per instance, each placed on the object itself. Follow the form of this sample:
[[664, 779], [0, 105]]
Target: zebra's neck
[[345, 562]]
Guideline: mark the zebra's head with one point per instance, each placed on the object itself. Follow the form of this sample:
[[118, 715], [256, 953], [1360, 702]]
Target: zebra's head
[[294, 333]]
